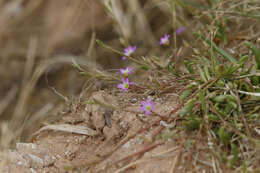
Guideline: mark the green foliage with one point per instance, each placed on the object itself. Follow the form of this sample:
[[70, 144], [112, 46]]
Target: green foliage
[[187, 109], [216, 48], [202, 101], [221, 34], [225, 94], [186, 94], [224, 136], [234, 152], [145, 68], [256, 53], [224, 98], [188, 65], [192, 122], [213, 118], [255, 79]]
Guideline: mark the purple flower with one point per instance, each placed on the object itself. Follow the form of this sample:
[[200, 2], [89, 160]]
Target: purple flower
[[147, 106], [126, 71], [165, 39], [124, 85], [128, 51], [180, 30]]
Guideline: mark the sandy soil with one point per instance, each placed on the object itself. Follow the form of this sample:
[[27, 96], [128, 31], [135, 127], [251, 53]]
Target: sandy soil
[[91, 137]]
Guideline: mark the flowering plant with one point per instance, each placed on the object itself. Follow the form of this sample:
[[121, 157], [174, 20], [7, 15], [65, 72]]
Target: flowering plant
[[165, 40], [124, 85], [147, 106], [126, 71], [180, 30], [128, 51]]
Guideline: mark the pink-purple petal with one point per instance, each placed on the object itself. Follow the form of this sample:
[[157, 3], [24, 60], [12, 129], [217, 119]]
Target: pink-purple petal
[[128, 51], [147, 106], [147, 112], [125, 84], [164, 40], [180, 30], [120, 86]]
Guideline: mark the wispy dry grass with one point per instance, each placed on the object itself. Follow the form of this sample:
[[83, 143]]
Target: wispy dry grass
[[37, 39], [34, 32]]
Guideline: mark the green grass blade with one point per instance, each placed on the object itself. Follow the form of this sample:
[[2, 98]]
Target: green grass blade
[[202, 101], [217, 49], [256, 52], [202, 75], [214, 61]]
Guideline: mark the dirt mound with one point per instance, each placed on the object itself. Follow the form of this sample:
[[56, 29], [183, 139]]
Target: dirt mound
[[107, 133]]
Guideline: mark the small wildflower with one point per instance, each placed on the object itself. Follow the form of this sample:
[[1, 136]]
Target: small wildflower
[[147, 106], [126, 71], [124, 85], [165, 39], [128, 51], [180, 30]]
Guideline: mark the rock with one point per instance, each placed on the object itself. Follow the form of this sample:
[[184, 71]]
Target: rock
[[97, 117], [34, 161], [97, 107], [32, 170], [111, 133], [25, 146], [17, 158]]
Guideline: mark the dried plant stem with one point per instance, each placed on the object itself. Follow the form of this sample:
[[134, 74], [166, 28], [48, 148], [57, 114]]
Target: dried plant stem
[[7, 99], [177, 159], [130, 165], [142, 151]]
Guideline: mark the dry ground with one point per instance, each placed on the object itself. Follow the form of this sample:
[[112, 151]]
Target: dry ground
[[105, 132], [117, 143]]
